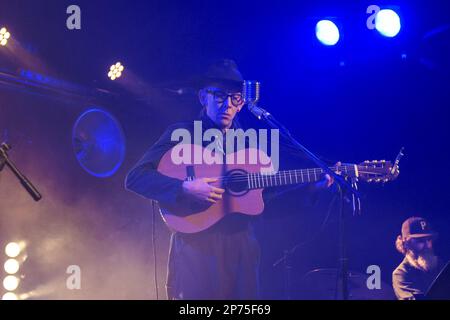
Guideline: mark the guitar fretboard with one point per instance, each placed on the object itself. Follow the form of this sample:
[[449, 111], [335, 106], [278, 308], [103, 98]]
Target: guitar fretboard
[[288, 177]]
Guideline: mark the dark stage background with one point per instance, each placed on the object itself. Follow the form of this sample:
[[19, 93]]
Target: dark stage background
[[360, 100]]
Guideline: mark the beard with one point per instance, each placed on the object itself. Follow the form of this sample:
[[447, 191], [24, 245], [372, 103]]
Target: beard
[[424, 261]]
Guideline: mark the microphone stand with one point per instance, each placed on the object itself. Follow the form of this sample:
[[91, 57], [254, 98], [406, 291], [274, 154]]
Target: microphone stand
[[345, 188], [4, 160]]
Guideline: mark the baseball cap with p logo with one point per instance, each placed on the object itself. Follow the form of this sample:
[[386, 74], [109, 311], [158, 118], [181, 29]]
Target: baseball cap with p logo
[[417, 227]]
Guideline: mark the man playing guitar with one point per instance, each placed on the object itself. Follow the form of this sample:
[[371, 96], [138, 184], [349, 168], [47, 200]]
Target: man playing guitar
[[213, 252]]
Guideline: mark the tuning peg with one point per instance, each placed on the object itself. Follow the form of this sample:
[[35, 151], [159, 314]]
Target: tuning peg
[[366, 161], [377, 180], [386, 180], [369, 180], [383, 161]]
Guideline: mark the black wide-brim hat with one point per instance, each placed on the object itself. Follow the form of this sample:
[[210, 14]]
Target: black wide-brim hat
[[221, 73]]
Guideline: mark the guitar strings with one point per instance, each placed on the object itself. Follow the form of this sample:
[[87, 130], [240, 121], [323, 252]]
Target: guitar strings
[[282, 175], [243, 177]]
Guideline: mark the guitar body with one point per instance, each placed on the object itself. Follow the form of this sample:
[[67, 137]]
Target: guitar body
[[190, 217]]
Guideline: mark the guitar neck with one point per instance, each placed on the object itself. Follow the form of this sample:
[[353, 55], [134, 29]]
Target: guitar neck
[[290, 177]]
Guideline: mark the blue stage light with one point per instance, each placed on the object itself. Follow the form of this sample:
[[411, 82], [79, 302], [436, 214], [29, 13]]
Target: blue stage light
[[387, 22], [327, 32]]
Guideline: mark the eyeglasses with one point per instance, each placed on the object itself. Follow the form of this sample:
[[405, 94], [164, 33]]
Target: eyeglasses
[[220, 97]]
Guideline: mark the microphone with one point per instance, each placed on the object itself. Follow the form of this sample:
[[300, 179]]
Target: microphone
[[251, 94], [4, 160], [250, 91]]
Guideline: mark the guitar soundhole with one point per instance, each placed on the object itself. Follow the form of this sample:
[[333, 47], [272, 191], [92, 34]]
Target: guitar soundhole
[[236, 182]]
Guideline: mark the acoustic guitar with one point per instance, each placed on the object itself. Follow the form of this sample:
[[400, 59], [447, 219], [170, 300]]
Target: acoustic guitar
[[244, 179]]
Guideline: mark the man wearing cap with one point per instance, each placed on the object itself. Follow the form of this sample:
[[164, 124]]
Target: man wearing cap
[[221, 262], [412, 278]]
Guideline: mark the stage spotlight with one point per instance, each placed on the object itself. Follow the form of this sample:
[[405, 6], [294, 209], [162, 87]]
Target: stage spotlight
[[387, 22], [10, 296], [4, 36], [10, 283], [327, 32], [12, 249], [11, 266], [115, 71]]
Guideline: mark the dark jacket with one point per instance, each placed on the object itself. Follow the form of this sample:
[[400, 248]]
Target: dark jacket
[[145, 180], [411, 283]]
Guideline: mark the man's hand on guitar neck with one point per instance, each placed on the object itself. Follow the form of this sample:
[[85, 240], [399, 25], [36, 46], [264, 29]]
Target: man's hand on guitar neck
[[201, 190], [327, 181]]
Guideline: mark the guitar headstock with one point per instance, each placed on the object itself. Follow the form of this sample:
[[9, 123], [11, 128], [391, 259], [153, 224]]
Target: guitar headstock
[[378, 171]]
